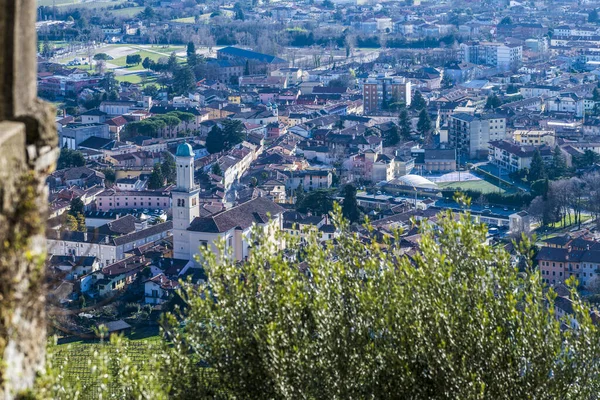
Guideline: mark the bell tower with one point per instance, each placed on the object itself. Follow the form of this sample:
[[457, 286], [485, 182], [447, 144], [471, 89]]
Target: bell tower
[[186, 205]]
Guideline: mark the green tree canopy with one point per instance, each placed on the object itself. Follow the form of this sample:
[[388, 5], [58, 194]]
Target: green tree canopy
[[350, 209], [362, 320], [76, 207], [318, 202], [418, 102], [424, 123], [537, 170], [157, 179], [404, 125], [492, 102], [70, 158]]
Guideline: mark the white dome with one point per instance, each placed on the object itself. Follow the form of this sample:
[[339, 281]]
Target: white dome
[[416, 181]]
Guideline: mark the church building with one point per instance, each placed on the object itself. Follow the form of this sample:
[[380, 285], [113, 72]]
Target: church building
[[234, 226]]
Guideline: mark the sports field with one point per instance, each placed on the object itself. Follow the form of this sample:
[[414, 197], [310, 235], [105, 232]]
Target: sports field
[[478, 185]]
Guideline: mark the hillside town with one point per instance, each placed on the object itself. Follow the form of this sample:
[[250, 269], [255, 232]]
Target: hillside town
[[185, 125]]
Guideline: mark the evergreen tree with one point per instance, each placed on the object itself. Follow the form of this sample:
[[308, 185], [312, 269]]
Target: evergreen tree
[[593, 16], [350, 206], [559, 163], [537, 170], [76, 207], [191, 54], [424, 123], [156, 179], [418, 102], [392, 136], [169, 168], [247, 69], [405, 125], [183, 80], [215, 140], [493, 102], [216, 169]]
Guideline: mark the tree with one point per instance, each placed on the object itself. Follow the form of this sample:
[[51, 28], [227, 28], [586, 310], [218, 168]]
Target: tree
[[81, 226], [596, 94], [148, 13], [511, 89], [109, 175], [192, 57], [102, 57], [169, 168], [148, 63], [593, 16], [558, 167], [70, 223], [215, 140], [183, 80], [356, 321], [447, 82], [76, 207], [424, 123], [493, 102], [392, 136], [405, 125], [132, 59], [418, 102], [156, 180], [506, 21], [328, 4], [70, 158], [151, 90], [216, 169], [318, 202], [537, 170], [247, 68], [350, 206]]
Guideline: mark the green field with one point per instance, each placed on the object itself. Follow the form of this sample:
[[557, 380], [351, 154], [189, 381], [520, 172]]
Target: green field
[[186, 20], [133, 78], [481, 186]]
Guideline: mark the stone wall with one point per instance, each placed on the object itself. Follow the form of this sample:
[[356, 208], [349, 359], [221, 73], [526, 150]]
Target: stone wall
[[28, 150]]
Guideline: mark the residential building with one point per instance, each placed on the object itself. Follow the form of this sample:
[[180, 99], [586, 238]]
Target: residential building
[[379, 92], [471, 134], [512, 157]]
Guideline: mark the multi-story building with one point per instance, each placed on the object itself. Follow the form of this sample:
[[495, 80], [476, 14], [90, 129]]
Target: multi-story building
[[499, 55], [310, 179], [535, 137], [112, 199], [564, 257], [381, 91], [293, 75], [513, 156], [471, 134], [108, 249], [74, 134]]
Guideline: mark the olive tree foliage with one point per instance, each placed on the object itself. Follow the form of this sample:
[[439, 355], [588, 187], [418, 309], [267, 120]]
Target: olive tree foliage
[[358, 319]]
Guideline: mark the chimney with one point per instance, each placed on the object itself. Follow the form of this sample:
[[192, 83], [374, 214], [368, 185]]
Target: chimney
[[85, 236]]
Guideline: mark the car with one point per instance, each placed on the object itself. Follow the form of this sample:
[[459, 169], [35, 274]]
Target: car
[[379, 192], [487, 207], [487, 211], [505, 208]]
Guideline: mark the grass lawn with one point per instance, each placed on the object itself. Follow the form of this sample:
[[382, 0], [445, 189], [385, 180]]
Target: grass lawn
[[92, 5], [558, 225], [481, 186], [133, 78], [186, 20]]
